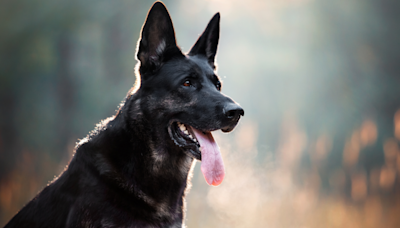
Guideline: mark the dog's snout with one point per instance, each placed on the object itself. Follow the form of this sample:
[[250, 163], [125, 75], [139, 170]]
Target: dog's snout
[[233, 111]]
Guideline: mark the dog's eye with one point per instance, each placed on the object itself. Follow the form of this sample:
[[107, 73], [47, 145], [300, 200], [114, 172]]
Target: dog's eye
[[187, 83], [218, 85]]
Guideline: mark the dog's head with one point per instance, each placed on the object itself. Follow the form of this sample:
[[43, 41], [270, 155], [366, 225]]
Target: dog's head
[[182, 93]]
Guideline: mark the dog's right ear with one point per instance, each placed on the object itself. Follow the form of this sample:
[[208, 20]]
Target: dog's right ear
[[157, 40], [207, 43]]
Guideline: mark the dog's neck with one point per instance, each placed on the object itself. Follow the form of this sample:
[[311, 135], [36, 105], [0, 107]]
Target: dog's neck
[[137, 159]]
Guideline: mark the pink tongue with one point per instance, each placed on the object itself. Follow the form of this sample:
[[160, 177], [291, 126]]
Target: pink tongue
[[212, 165]]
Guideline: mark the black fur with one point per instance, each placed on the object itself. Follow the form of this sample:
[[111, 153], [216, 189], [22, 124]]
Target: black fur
[[133, 170]]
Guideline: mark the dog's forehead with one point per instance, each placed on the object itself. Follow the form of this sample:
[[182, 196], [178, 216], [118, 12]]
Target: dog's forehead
[[201, 64], [190, 65]]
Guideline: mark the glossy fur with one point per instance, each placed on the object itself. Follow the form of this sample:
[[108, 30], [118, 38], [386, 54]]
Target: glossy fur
[[129, 172]]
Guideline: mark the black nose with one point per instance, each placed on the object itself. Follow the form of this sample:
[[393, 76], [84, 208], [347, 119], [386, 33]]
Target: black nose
[[233, 111]]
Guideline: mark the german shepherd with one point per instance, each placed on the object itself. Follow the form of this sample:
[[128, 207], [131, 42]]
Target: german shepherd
[[134, 169]]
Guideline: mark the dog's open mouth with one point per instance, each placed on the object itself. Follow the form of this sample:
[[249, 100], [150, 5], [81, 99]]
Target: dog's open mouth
[[201, 146]]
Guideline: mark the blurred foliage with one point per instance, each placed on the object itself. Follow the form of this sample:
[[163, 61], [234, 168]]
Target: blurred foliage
[[319, 81]]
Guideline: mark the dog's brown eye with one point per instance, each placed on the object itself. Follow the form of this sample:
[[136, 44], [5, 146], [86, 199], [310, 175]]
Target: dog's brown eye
[[187, 83], [218, 85]]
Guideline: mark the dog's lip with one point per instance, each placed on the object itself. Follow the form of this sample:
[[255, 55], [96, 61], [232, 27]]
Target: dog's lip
[[182, 140]]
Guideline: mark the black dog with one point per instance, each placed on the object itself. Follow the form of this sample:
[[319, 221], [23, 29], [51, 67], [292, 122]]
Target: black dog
[[134, 168]]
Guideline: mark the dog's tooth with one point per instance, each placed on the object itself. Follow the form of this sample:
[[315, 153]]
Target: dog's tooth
[[194, 139], [186, 132], [190, 136], [199, 148], [182, 127]]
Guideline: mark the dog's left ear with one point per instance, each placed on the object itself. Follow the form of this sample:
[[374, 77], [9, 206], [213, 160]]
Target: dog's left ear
[[208, 41], [157, 41]]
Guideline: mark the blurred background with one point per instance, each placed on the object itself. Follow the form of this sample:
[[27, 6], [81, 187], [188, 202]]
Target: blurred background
[[319, 82]]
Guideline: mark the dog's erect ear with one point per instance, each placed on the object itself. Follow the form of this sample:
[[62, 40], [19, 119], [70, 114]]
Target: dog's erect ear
[[208, 41], [157, 39]]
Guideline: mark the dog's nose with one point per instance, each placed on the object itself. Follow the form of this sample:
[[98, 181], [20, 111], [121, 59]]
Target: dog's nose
[[233, 111]]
